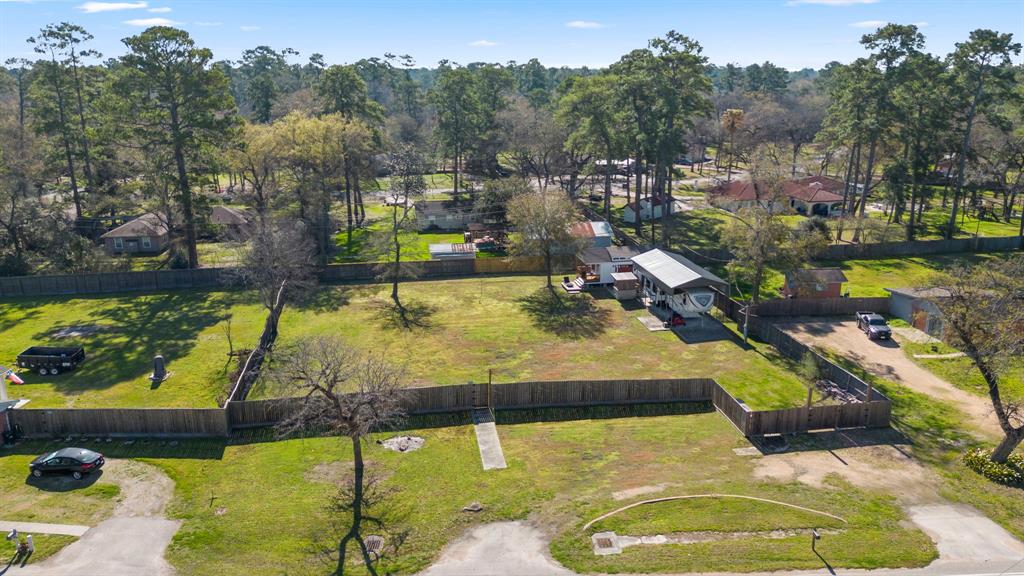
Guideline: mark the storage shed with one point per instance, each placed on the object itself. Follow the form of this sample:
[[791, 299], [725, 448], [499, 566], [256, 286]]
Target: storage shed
[[464, 251]]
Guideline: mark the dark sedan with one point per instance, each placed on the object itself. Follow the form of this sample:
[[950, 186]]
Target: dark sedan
[[77, 461]]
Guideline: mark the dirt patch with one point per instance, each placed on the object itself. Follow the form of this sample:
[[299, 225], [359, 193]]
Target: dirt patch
[[329, 472], [145, 489], [403, 443], [870, 468], [638, 491]]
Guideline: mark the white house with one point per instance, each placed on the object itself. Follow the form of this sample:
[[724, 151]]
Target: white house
[[672, 282], [649, 208], [596, 265]]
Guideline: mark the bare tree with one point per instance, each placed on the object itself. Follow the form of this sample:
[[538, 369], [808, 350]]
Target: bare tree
[[542, 223], [406, 185], [279, 264], [983, 311], [351, 395]]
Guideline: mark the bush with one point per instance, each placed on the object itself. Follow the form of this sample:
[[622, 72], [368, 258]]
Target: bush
[[1011, 473]]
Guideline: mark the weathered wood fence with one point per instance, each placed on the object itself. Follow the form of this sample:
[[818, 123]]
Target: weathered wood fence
[[820, 306], [461, 398], [217, 278]]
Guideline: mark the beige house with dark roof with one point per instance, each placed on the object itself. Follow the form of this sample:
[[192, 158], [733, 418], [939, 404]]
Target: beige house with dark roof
[[147, 234]]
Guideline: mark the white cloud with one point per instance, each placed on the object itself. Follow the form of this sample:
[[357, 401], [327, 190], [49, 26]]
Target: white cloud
[[920, 24], [483, 43], [208, 23], [94, 7], [830, 2], [147, 22], [17, 2], [160, 10], [248, 28], [869, 24], [583, 24]]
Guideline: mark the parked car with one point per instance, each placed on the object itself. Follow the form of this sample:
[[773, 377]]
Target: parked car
[[874, 325], [51, 359], [77, 461]]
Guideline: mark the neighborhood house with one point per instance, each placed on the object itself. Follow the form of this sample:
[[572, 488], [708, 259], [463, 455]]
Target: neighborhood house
[[595, 266], [649, 208], [812, 196], [234, 221], [147, 234], [445, 215], [814, 283], [670, 281]]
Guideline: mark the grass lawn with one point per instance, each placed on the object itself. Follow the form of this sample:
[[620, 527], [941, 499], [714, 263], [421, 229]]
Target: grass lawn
[[27, 499], [46, 545], [471, 325], [287, 484], [415, 245], [962, 373]]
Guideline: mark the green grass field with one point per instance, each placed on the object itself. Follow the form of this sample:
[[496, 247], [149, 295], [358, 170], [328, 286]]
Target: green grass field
[[471, 325], [229, 496], [962, 373]]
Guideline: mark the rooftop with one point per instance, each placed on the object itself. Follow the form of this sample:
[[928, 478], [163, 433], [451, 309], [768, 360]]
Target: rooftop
[[148, 224], [675, 271], [817, 275]]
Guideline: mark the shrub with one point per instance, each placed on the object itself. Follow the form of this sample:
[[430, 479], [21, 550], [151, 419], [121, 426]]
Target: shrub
[[1011, 473]]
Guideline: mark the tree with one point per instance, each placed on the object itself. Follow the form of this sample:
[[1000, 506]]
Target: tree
[[732, 122], [984, 60], [278, 263], [340, 90], [349, 395], [590, 109], [173, 99], [406, 185], [262, 67], [457, 100], [759, 238], [542, 222], [492, 201], [258, 159], [983, 313], [59, 42]]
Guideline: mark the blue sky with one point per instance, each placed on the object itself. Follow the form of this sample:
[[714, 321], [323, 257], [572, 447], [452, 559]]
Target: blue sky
[[790, 33]]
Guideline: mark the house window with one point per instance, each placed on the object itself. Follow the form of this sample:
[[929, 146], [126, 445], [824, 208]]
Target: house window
[[624, 268], [118, 244], [146, 242]]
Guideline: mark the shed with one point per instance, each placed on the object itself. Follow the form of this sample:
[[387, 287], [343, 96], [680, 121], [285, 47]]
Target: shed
[[916, 307], [460, 251], [623, 285], [671, 281], [814, 283]]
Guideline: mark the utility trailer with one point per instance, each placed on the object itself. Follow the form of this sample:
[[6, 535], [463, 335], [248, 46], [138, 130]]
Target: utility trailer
[[51, 359]]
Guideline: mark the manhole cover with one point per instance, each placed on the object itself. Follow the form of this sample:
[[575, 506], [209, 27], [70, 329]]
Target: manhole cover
[[604, 543], [374, 544]]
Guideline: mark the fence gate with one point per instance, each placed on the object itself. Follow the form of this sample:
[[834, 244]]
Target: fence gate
[[482, 396]]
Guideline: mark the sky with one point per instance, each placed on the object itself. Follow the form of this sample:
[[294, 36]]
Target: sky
[[790, 33]]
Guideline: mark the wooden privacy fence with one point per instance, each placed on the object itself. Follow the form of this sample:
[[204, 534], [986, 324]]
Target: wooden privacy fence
[[821, 306], [460, 398], [217, 278], [123, 421]]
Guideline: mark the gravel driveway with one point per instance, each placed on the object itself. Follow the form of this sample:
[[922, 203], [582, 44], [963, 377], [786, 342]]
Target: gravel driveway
[[887, 359]]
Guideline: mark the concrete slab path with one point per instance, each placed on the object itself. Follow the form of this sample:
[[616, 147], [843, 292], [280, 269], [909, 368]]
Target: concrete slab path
[[491, 454], [43, 528], [498, 549]]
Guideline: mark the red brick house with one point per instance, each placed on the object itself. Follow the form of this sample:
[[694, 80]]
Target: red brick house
[[814, 283]]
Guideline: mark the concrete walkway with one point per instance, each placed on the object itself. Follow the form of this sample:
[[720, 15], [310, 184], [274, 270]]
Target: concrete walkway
[[491, 454], [43, 528]]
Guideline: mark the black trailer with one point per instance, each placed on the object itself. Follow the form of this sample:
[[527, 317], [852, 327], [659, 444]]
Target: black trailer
[[51, 359]]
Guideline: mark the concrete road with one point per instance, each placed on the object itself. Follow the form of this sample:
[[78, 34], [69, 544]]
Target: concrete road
[[498, 549]]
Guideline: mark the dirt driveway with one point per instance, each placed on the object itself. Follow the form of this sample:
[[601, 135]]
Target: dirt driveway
[[130, 543], [887, 359]]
